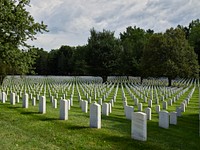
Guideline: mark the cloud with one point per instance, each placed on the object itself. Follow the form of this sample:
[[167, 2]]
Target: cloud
[[69, 21]]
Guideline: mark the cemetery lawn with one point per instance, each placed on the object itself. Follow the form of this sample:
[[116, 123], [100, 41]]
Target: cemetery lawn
[[26, 129]]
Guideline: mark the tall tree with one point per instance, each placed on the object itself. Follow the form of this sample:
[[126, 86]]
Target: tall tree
[[65, 60], [41, 65], [79, 60], [133, 41], [16, 27], [103, 53], [167, 55], [194, 36]]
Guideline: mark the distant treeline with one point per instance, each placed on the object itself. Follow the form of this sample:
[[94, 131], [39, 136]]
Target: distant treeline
[[137, 52]]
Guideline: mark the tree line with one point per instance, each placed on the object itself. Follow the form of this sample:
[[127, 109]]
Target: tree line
[[137, 52]]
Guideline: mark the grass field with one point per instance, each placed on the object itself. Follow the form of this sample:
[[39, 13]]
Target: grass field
[[22, 128]]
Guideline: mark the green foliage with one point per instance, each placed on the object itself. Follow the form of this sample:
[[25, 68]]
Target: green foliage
[[133, 41], [103, 53], [16, 27], [168, 55], [194, 36]]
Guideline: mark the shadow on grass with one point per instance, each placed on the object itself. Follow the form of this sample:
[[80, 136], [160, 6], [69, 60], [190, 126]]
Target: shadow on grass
[[77, 127], [13, 107], [48, 119], [29, 113]]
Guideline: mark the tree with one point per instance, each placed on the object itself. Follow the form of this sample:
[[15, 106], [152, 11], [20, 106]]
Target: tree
[[79, 60], [65, 60], [194, 36], [41, 63], [103, 53], [133, 41], [16, 27], [169, 55]]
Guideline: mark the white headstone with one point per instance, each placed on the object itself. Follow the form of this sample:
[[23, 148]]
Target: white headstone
[[33, 101], [179, 111], [85, 106], [170, 102], [12, 98], [42, 105], [173, 118], [54, 103], [112, 102], [89, 100], [17, 98], [129, 110], [145, 99], [165, 105], [105, 109], [71, 101], [100, 101], [150, 103], [64, 109], [25, 101], [164, 119], [140, 109], [95, 115], [110, 107], [183, 107], [148, 112], [136, 102], [157, 108], [4, 97], [139, 126]]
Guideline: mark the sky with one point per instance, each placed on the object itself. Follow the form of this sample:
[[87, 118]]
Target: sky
[[69, 21]]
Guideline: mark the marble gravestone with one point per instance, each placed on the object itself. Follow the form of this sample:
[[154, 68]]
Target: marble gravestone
[[139, 126], [164, 119], [95, 116], [64, 109], [42, 105], [25, 101]]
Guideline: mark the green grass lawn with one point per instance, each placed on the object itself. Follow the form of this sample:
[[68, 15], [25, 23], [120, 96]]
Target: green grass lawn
[[26, 129]]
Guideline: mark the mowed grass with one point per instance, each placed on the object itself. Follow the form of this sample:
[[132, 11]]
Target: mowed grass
[[22, 128]]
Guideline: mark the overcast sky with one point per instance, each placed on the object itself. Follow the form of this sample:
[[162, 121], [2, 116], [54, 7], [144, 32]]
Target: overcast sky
[[70, 21]]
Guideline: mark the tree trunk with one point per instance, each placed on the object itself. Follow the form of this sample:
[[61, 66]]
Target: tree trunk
[[141, 80], [127, 78], [169, 81], [104, 78]]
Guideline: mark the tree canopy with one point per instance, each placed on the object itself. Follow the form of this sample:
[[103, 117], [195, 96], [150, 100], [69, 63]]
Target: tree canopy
[[169, 55], [16, 27]]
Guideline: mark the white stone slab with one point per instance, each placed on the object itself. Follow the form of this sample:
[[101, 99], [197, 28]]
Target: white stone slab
[[157, 108], [164, 119], [173, 118], [33, 101], [64, 109], [12, 98], [85, 106], [95, 115], [150, 103], [148, 113], [4, 97], [140, 107], [54, 103], [105, 109], [25, 101], [129, 110], [165, 106], [42, 105], [139, 126]]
